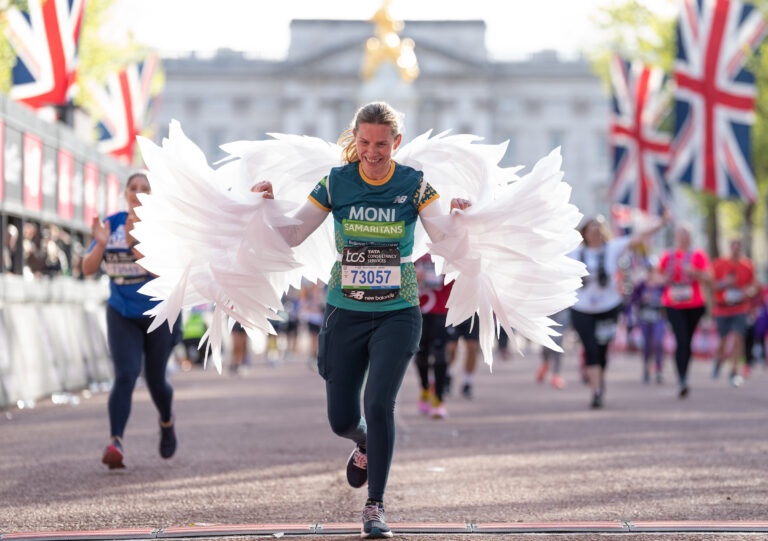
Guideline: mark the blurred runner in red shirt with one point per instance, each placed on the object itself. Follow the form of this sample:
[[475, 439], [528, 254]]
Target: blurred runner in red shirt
[[433, 294], [733, 286], [685, 270]]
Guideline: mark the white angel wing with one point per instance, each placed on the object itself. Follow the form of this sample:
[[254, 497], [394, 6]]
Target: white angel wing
[[294, 164], [209, 241], [508, 258], [456, 166]]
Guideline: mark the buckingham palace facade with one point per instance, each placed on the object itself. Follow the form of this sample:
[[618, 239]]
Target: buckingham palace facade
[[536, 104]]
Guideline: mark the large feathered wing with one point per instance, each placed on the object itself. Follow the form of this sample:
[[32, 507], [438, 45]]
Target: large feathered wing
[[294, 164], [209, 239], [507, 254], [456, 166]]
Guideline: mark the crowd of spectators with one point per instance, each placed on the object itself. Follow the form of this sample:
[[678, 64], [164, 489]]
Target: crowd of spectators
[[35, 250]]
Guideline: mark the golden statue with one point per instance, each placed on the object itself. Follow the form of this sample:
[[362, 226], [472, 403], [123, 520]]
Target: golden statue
[[387, 46]]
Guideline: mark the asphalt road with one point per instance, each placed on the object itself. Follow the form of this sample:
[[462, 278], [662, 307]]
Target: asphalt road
[[256, 448]]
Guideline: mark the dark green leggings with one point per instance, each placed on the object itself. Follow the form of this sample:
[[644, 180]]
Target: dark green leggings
[[382, 343]]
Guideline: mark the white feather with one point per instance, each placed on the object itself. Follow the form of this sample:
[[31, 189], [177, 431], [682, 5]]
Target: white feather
[[208, 241], [294, 164], [456, 166]]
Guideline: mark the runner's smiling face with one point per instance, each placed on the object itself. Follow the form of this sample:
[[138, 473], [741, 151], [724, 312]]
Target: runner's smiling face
[[375, 144]]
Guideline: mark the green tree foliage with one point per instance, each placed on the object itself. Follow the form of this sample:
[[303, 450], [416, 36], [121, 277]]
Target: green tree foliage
[[99, 58], [7, 55], [636, 32], [760, 130]]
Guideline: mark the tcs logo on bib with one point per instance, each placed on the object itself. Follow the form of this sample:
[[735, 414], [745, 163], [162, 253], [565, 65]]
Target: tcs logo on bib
[[354, 257]]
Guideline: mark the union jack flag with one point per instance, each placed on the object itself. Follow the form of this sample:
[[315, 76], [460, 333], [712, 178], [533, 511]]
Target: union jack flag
[[122, 107], [715, 97], [640, 151], [45, 39], [621, 219]]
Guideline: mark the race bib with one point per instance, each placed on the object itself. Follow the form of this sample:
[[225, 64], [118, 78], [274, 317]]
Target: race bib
[[605, 330], [733, 296], [681, 292], [649, 315], [370, 273], [122, 268]]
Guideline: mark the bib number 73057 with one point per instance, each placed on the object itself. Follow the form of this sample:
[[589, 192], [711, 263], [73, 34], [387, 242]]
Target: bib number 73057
[[370, 277], [370, 273]]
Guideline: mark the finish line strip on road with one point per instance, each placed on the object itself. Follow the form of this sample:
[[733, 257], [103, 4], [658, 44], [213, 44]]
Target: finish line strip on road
[[223, 530]]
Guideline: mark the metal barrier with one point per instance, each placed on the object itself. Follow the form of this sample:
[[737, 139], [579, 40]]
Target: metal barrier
[[52, 331], [52, 337]]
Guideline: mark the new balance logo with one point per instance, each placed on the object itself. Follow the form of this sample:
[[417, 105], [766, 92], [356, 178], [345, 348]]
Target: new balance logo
[[401, 199]]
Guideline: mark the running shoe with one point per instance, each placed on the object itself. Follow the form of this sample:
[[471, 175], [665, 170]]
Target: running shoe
[[374, 525], [357, 468], [746, 371], [438, 411], [597, 401], [683, 393], [558, 382], [423, 406], [424, 402], [736, 380], [466, 390], [113, 455], [167, 439]]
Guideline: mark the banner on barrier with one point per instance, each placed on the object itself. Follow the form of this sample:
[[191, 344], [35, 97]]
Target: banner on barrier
[[113, 194], [33, 172], [12, 191], [66, 172], [91, 192], [50, 197]]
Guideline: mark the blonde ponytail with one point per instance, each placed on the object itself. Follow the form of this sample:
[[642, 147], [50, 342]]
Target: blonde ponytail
[[348, 147]]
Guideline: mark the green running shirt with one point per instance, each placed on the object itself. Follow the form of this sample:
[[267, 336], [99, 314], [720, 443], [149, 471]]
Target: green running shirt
[[374, 222]]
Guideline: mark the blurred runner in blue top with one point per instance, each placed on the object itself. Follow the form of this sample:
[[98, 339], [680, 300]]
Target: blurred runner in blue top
[[127, 325]]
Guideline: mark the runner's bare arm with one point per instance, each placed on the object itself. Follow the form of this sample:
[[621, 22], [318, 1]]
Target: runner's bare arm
[[432, 210], [310, 216]]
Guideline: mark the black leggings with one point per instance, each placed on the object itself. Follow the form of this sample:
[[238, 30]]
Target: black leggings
[[683, 322], [382, 344], [129, 344], [433, 337], [595, 353]]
